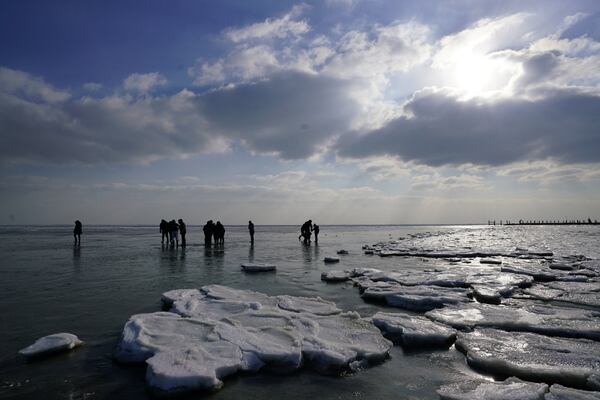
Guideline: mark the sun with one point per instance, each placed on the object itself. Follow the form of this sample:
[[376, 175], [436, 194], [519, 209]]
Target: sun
[[479, 74]]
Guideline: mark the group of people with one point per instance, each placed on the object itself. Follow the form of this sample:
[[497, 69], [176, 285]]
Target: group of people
[[171, 230], [216, 231], [306, 231]]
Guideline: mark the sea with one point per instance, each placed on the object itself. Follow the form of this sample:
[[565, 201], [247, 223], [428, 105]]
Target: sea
[[47, 286]]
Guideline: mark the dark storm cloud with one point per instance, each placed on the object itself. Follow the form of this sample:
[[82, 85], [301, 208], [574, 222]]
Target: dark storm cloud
[[290, 114], [560, 124]]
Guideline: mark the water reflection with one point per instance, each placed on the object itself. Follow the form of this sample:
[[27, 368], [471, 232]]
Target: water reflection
[[251, 253]]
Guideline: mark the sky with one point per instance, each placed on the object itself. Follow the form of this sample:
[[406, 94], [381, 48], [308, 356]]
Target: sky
[[342, 111]]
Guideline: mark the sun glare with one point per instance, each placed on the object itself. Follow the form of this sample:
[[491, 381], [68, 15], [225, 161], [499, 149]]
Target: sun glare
[[480, 75]]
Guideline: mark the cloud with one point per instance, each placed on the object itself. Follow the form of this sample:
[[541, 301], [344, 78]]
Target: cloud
[[291, 114], [440, 129], [280, 28], [550, 173], [143, 83], [445, 183], [19, 83]]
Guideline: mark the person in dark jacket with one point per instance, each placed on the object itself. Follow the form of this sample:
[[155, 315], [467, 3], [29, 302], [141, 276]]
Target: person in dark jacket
[[316, 229], [251, 231], [182, 231], [173, 232], [77, 233], [219, 233], [208, 232], [164, 230]]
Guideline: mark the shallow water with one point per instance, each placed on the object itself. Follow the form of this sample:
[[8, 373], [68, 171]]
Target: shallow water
[[49, 286]]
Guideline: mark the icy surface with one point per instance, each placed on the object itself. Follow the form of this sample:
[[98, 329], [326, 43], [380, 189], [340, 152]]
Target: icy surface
[[51, 344], [559, 392], [413, 331], [415, 298], [258, 267], [335, 276], [218, 331], [544, 319], [510, 389], [168, 298], [531, 356], [583, 293]]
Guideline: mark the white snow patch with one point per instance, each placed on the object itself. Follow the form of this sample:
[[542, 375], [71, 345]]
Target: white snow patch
[[55, 343]]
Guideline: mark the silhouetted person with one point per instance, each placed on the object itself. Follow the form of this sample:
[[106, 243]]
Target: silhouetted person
[[305, 231], [208, 233], [251, 231], [77, 233], [219, 233], [316, 231], [164, 230], [173, 232], [182, 231]]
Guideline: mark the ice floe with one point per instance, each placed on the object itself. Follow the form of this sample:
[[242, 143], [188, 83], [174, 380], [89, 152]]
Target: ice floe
[[50, 344], [415, 298], [218, 331], [559, 392], [258, 267], [510, 389], [413, 331], [530, 356], [335, 276], [543, 319], [583, 293], [331, 259]]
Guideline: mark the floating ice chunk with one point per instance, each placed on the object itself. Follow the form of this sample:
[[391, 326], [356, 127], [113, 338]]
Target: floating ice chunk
[[182, 353], [584, 293], [510, 389], [369, 252], [416, 298], [543, 319], [226, 293], [559, 392], [534, 357], [316, 306], [412, 330], [50, 344], [331, 259], [258, 267], [486, 294], [490, 261], [219, 331], [168, 298], [345, 340], [539, 274], [342, 251], [335, 276]]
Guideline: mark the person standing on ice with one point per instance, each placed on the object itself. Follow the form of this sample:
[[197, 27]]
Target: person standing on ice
[[251, 231], [315, 229], [164, 230], [182, 231], [173, 232], [208, 232], [219, 233], [77, 233]]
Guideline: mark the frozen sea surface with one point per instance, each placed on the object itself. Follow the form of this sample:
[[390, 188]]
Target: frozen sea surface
[[48, 286]]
